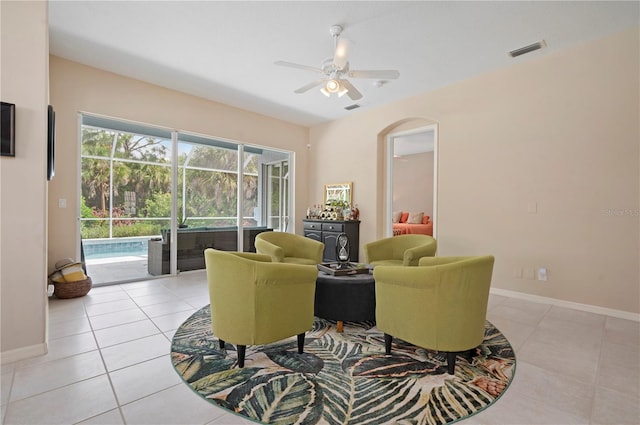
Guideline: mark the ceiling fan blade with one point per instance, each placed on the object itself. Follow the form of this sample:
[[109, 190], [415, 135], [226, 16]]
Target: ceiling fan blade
[[309, 86], [341, 54], [298, 66], [353, 93], [386, 74]]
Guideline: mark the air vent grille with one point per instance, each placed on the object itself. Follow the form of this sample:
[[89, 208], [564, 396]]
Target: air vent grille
[[527, 49], [350, 107]]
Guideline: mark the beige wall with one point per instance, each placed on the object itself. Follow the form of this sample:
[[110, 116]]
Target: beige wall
[[413, 183], [559, 132], [23, 182], [77, 88]]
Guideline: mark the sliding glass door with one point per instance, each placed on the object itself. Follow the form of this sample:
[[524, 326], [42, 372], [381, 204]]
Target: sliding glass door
[[125, 196], [277, 194], [153, 199]]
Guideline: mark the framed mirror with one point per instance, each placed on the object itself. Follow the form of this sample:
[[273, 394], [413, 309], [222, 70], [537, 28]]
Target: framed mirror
[[339, 191]]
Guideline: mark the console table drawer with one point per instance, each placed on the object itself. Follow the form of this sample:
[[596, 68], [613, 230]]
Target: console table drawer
[[333, 227], [312, 225]]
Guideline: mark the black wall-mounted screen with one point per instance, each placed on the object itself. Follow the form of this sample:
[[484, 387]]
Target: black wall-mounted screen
[[51, 142], [7, 129]]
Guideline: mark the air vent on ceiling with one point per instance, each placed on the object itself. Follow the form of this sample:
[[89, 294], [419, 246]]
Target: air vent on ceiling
[[350, 107], [527, 49]]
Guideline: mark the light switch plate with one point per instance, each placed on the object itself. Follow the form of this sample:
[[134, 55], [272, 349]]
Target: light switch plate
[[542, 274]]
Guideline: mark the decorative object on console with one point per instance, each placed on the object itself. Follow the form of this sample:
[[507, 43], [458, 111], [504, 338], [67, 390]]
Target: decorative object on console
[[355, 213], [337, 203], [335, 209], [338, 192]]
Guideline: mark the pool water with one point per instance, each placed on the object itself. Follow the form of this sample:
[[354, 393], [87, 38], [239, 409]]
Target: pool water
[[107, 248]]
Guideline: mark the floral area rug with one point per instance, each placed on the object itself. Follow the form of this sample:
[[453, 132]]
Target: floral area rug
[[341, 378]]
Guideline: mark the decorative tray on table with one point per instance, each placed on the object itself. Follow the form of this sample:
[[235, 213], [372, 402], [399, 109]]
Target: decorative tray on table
[[338, 269]]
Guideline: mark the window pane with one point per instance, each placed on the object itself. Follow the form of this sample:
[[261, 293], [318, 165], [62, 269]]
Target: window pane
[[250, 215], [213, 158], [207, 185], [140, 189], [142, 148], [97, 142], [96, 187]]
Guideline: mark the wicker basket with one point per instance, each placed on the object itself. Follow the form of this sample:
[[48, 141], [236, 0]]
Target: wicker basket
[[76, 289]]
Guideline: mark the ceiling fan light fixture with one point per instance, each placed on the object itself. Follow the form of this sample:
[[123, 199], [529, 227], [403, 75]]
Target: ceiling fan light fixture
[[332, 86], [335, 71]]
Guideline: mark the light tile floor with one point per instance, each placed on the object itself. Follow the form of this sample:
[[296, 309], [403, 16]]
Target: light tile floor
[[108, 363]]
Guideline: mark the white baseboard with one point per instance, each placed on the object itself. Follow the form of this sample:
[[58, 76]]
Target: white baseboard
[[568, 304], [23, 353]]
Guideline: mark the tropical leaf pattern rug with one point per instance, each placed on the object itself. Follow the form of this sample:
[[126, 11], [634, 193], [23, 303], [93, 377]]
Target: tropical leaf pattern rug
[[341, 378]]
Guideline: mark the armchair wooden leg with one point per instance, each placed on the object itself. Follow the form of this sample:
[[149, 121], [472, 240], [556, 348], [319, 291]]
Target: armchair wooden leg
[[451, 362], [387, 343], [241, 350], [301, 343], [221, 342]]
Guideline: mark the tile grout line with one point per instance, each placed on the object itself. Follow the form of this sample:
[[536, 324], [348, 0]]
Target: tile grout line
[[598, 365], [104, 364], [13, 373]]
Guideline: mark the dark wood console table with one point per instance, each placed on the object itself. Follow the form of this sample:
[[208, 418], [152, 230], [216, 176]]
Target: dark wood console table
[[327, 231]]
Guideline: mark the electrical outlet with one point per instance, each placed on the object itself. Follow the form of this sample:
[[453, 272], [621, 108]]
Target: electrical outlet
[[542, 274]]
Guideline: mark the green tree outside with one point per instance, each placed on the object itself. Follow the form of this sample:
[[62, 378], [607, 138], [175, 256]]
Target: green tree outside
[[133, 174]]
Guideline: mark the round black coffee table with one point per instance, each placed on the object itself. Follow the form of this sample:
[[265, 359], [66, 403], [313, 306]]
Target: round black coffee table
[[342, 298]]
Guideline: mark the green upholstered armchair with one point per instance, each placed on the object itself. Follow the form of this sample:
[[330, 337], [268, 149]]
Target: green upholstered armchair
[[439, 305], [255, 301], [285, 247], [402, 250]]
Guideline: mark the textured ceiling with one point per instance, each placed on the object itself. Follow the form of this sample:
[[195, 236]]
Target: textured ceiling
[[225, 51]]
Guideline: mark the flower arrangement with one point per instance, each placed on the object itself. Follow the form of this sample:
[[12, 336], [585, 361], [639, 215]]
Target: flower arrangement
[[337, 203]]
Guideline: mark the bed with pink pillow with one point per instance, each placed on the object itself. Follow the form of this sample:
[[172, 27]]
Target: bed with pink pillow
[[406, 223]]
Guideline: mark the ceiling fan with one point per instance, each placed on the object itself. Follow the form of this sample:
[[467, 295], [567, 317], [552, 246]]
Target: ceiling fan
[[335, 70]]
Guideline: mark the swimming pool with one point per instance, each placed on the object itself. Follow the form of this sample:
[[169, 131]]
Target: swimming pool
[[117, 247]]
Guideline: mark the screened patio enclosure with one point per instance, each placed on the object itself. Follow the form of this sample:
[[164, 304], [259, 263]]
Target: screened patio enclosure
[[144, 187]]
